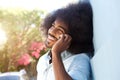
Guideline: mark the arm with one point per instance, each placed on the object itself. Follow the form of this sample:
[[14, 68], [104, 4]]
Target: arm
[[58, 67]]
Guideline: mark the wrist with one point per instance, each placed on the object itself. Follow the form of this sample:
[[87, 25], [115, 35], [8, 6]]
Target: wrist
[[56, 54], [56, 58]]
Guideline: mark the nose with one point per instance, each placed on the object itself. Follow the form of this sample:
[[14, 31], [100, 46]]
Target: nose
[[52, 30]]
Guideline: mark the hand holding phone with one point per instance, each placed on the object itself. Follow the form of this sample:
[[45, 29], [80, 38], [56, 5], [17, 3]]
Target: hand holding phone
[[62, 44]]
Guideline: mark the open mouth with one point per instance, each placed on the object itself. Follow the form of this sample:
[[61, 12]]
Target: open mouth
[[51, 37]]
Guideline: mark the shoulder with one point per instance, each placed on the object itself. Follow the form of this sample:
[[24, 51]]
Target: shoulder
[[80, 61], [80, 67], [81, 57]]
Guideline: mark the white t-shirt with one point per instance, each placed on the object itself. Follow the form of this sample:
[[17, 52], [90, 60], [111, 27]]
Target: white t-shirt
[[77, 66]]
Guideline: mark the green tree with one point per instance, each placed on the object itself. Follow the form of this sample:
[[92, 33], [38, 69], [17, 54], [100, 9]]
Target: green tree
[[22, 28]]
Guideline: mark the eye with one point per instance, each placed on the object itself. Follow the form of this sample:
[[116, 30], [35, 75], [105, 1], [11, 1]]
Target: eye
[[60, 32], [58, 28]]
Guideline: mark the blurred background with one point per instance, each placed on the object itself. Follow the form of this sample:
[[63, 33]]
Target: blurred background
[[21, 42]]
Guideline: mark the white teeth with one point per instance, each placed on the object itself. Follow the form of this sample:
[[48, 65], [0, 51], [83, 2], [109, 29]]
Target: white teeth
[[51, 38]]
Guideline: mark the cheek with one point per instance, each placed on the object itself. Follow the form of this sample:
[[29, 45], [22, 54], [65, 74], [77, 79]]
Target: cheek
[[58, 34]]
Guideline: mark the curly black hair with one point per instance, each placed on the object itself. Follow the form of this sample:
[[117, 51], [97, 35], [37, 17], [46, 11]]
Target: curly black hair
[[79, 18]]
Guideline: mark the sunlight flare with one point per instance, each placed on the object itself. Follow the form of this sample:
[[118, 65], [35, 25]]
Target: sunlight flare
[[3, 37]]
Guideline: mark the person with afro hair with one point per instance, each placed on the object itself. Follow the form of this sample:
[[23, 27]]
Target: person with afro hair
[[69, 35]]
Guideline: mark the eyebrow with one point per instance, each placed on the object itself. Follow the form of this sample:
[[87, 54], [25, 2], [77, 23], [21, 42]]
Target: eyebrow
[[61, 27]]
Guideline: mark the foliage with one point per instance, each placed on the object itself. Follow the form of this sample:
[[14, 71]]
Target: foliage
[[22, 29], [29, 60]]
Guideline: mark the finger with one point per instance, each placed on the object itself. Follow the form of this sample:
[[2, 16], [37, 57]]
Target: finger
[[67, 38], [61, 37]]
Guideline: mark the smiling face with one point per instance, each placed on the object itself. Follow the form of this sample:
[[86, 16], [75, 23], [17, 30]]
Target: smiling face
[[58, 28]]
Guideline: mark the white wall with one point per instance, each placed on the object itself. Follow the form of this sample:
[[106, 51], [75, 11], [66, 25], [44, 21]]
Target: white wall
[[106, 62]]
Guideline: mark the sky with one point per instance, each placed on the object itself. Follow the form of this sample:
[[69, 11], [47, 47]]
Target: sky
[[46, 5]]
